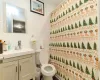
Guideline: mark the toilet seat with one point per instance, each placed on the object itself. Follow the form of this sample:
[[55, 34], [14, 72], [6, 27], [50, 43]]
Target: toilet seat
[[48, 70]]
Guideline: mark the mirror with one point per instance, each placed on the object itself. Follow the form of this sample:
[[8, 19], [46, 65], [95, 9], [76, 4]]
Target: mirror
[[15, 19]]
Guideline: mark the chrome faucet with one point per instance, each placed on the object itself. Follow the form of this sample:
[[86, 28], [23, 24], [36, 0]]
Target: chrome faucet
[[19, 44]]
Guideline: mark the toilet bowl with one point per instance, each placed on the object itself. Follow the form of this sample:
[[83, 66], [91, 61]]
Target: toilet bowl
[[48, 71]]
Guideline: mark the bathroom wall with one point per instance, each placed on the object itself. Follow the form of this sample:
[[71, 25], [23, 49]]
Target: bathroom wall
[[37, 25], [74, 40]]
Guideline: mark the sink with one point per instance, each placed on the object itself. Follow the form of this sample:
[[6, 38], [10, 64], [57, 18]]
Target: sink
[[15, 53]]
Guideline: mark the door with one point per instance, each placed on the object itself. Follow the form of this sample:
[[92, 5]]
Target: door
[[9, 71], [26, 71]]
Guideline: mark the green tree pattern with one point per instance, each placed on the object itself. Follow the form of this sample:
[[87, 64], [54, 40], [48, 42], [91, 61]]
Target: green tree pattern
[[69, 10], [96, 20], [72, 26], [80, 2], [85, 1], [95, 46], [66, 11], [87, 70], [69, 27], [74, 65], [76, 26], [66, 62], [83, 46], [71, 45], [78, 67], [70, 63], [78, 45], [68, 44], [88, 46], [82, 69], [84, 23], [63, 13], [93, 77], [80, 24], [72, 7], [90, 21], [77, 5], [75, 45]]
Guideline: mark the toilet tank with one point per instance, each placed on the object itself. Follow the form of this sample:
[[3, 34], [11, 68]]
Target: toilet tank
[[41, 57]]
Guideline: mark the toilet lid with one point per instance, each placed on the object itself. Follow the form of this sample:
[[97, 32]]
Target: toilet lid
[[44, 57]]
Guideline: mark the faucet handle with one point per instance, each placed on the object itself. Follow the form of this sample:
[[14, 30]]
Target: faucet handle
[[19, 44]]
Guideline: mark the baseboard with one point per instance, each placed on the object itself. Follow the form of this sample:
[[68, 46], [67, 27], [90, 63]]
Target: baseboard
[[56, 78]]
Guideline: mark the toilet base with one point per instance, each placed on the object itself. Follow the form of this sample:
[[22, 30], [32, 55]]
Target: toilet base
[[47, 78]]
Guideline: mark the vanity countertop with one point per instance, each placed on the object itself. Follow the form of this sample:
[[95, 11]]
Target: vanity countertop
[[1, 56], [15, 53]]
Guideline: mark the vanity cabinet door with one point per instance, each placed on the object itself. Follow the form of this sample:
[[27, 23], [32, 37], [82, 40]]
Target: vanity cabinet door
[[0, 70], [26, 71], [9, 71]]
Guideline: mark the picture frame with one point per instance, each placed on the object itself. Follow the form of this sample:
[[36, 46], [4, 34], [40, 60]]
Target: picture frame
[[19, 26], [37, 7]]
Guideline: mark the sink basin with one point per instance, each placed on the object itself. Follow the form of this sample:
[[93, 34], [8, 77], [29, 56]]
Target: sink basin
[[15, 53]]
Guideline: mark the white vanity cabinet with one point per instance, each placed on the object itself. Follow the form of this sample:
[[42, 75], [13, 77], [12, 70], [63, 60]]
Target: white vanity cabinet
[[9, 71], [26, 69], [18, 68]]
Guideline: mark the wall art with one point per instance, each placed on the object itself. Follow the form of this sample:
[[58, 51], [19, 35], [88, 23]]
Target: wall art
[[37, 7]]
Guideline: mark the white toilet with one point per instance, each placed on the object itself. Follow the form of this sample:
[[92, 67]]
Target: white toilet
[[47, 70]]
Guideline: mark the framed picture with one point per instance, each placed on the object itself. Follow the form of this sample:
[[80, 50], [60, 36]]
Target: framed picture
[[18, 26], [37, 7]]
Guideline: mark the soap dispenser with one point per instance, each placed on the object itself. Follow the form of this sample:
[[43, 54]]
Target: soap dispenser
[[33, 39], [9, 46], [33, 42]]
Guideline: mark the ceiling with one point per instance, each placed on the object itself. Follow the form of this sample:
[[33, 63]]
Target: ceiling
[[54, 2]]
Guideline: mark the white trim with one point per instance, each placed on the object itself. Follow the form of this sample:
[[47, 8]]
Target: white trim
[[57, 77]]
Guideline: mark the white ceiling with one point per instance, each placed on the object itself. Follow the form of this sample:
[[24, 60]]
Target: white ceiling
[[54, 2]]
